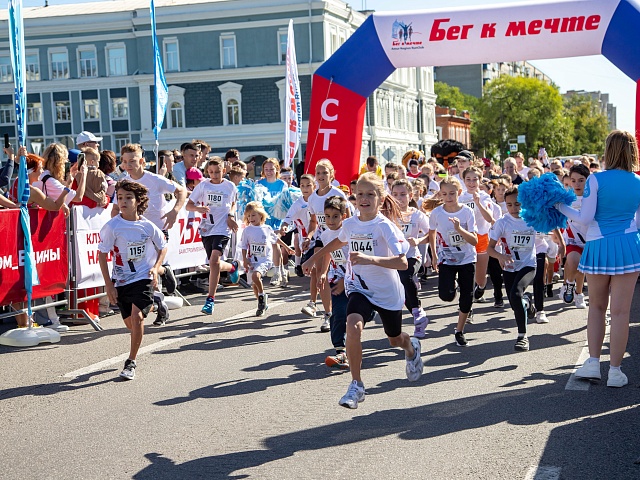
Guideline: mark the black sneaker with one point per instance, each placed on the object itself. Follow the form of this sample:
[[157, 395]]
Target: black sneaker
[[129, 370], [522, 345], [460, 340], [262, 305], [299, 271], [478, 292], [188, 288], [549, 290], [498, 304], [169, 281], [569, 291], [529, 306], [163, 315]]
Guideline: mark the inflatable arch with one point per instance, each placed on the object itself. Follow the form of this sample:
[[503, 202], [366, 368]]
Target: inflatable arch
[[386, 41]]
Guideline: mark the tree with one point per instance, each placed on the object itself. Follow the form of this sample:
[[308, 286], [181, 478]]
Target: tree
[[513, 106], [452, 97], [590, 124]]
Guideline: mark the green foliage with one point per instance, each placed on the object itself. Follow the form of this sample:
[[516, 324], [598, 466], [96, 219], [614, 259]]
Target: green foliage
[[452, 97], [590, 124]]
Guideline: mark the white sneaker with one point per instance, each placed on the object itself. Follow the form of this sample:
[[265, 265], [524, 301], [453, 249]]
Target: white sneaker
[[616, 378], [420, 322], [355, 394], [590, 370], [579, 301], [310, 309], [57, 326], [541, 317], [326, 323], [285, 279], [276, 279], [414, 365]]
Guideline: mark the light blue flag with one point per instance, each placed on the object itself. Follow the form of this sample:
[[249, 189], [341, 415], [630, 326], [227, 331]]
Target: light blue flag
[[16, 38], [161, 90]]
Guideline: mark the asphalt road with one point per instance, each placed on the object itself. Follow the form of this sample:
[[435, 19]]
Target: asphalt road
[[235, 396]]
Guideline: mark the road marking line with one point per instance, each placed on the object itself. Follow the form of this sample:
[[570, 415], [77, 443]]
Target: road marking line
[[543, 473], [574, 383], [168, 341]]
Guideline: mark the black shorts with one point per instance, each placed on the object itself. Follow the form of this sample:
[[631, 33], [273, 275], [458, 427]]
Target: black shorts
[[166, 234], [288, 238], [391, 319], [214, 242], [138, 293], [306, 256]]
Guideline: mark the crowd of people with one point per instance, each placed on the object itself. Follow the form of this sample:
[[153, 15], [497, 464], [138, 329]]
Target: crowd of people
[[367, 248]]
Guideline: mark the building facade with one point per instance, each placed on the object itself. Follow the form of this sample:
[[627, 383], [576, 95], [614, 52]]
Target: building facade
[[602, 99], [453, 125], [90, 67]]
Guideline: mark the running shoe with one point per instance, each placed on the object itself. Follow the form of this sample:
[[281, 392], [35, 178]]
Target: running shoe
[[299, 271], [326, 323], [55, 324], [590, 370], [498, 304], [129, 370], [169, 281], [285, 279], [529, 306], [338, 361], [569, 291], [549, 290], [414, 365], [310, 309], [616, 378], [208, 306], [478, 293], [235, 275], [579, 301], [556, 277], [461, 341], [522, 344], [355, 394], [276, 279], [541, 317], [262, 305]]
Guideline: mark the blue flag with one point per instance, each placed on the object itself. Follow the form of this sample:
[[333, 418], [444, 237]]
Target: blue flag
[[161, 90], [16, 39]]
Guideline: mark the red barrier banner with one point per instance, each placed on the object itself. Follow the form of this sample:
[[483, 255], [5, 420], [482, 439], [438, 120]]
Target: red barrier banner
[[49, 237]]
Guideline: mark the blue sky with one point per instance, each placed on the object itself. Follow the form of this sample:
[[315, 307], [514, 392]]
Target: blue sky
[[581, 73]]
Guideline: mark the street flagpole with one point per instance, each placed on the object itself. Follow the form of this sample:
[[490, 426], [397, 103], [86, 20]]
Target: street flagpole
[[161, 91], [293, 103]]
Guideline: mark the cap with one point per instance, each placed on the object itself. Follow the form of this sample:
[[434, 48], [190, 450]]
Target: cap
[[73, 155], [194, 174], [87, 137], [466, 154]]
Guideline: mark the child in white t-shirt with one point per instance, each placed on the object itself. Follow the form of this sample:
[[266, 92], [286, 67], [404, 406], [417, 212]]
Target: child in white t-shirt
[[138, 247]]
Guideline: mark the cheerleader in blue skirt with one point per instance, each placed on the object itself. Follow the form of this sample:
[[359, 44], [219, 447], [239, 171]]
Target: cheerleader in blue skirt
[[611, 256]]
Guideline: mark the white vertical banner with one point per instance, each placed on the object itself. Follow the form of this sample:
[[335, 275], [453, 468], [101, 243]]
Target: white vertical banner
[[292, 103]]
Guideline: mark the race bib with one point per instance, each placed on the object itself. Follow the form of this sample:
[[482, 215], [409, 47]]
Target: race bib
[[471, 205], [455, 239], [362, 243], [522, 240], [258, 249], [406, 228], [135, 250], [215, 199], [338, 257], [322, 220]]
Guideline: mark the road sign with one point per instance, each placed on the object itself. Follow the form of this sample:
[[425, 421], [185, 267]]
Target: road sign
[[522, 139], [513, 147]]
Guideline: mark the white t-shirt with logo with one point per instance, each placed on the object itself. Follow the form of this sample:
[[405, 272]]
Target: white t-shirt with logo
[[219, 197], [481, 224], [576, 233], [316, 207], [452, 248], [381, 238], [258, 241], [518, 239], [158, 205], [298, 217], [135, 246], [339, 258], [415, 224]]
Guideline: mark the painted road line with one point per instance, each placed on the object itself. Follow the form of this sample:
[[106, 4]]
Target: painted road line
[[575, 383], [543, 473], [178, 338]]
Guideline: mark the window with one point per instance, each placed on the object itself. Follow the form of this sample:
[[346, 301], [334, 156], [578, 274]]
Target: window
[[32, 61], [334, 38], [116, 60], [87, 62], [63, 110], [233, 112], [59, 64], [7, 114], [34, 112], [228, 51], [231, 97], [282, 46], [120, 141], [176, 114], [6, 72], [91, 108], [171, 55], [342, 36], [119, 108]]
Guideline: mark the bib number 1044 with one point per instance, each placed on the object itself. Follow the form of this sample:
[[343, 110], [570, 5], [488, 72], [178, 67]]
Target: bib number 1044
[[362, 246]]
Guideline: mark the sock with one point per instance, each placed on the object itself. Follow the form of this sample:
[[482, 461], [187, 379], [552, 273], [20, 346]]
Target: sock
[[522, 335], [593, 359], [283, 270], [210, 298], [233, 268], [260, 295], [614, 368], [298, 259], [570, 283]]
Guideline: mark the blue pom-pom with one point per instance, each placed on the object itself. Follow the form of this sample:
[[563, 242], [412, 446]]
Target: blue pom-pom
[[538, 197]]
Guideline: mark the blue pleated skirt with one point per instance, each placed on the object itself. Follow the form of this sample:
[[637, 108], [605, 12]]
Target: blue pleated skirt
[[614, 255]]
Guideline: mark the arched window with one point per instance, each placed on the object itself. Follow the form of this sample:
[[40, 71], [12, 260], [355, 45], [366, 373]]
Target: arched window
[[233, 112], [231, 97], [176, 113]]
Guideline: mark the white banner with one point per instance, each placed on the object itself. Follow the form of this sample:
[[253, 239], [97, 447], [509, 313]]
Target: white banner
[[293, 103], [185, 249]]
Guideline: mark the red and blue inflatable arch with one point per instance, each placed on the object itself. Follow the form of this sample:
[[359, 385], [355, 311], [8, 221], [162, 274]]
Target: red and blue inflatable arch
[[386, 41]]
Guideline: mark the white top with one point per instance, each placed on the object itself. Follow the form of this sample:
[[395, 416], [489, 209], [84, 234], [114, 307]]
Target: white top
[[452, 248], [518, 240], [481, 224], [298, 217], [339, 258], [219, 198], [576, 233], [158, 205], [316, 206], [542, 242], [53, 188], [135, 246], [258, 241], [462, 185], [378, 237], [415, 224]]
